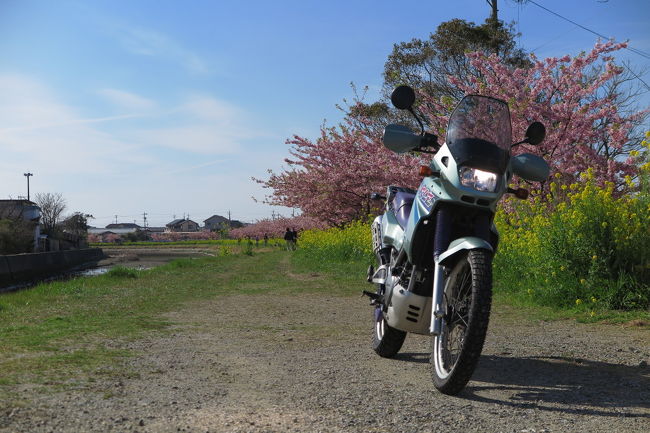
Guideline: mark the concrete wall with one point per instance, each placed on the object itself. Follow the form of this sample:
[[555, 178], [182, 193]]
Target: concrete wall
[[24, 267]]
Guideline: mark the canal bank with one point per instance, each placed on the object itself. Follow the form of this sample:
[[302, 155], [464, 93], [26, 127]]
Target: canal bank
[[21, 268]]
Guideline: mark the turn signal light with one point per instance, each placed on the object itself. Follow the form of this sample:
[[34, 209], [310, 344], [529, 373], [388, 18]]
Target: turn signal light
[[425, 171]]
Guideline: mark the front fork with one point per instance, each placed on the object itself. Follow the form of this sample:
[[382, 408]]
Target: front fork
[[442, 251], [438, 293], [440, 244]]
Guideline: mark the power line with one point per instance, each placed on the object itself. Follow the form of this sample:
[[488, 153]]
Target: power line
[[633, 50]]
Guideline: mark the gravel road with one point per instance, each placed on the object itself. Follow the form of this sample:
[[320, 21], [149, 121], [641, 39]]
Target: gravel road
[[303, 363]]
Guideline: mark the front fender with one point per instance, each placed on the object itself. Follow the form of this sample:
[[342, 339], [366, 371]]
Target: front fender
[[460, 244]]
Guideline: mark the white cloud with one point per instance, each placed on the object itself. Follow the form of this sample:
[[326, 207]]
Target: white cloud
[[147, 42], [196, 138], [126, 100], [51, 136], [106, 162], [204, 125]]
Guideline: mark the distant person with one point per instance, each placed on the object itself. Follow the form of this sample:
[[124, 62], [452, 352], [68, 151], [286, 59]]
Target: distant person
[[294, 238], [266, 239], [288, 237]]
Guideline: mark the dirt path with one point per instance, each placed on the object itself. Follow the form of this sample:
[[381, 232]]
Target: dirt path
[[253, 363]]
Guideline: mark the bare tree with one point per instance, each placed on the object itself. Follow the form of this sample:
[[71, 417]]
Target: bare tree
[[52, 206]]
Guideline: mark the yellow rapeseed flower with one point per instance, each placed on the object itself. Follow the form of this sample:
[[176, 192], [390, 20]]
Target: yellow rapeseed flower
[[578, 301]]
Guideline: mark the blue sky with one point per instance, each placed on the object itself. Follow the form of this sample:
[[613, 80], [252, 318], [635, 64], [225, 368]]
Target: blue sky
[[170, 107]]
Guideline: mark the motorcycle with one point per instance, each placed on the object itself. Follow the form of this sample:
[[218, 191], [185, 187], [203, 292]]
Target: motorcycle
[[434, 245]]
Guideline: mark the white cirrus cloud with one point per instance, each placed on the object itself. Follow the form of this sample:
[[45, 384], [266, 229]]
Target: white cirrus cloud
[[146, 42], [204, 125], [127, 100]]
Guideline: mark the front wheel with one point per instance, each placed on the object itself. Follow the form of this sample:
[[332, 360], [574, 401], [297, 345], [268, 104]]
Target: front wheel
[[466, 303], [386, 340]]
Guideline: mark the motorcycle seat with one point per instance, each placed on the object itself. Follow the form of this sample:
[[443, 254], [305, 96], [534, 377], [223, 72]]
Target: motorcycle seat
[[402, 204]]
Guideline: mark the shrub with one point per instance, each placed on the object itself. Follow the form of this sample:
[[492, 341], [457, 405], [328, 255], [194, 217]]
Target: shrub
[[352, 242], [582, 246]]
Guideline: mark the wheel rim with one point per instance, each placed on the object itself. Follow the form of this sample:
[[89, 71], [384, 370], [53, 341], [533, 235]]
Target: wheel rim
[[456, 304], [379, 323]]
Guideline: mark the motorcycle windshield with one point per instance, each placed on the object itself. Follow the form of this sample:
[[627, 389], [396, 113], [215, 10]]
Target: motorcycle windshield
[[479, 133]]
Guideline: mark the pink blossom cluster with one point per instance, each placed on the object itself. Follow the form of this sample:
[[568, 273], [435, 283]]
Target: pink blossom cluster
[[587, 126], [185, 236], [275, 228], [109, 237], [331, 179]]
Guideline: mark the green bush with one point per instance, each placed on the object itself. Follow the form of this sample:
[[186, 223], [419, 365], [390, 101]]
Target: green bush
[[352, 242], [588, 250]]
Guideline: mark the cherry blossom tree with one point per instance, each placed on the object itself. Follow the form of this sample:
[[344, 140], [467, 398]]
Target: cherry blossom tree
[[332, 178], [579, 99]]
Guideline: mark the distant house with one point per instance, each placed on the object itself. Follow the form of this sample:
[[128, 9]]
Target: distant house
[[217, 222], [24, 210], [182, 225]]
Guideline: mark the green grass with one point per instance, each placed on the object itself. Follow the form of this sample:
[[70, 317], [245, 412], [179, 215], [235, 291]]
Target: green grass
[[52, 331]]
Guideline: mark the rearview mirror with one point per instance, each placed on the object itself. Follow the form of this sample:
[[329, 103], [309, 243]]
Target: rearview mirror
[[403, 97], [535, 133]]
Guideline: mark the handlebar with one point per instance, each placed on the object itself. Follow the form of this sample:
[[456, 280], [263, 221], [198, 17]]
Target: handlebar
[[429, 140]]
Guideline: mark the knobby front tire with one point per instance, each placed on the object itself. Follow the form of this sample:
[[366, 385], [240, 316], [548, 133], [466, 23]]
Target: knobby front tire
[[466, 303], [386, 340]]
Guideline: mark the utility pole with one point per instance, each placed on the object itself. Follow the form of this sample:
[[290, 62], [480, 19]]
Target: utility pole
[[494, 18], [144, 217], [115, 219], [229, 220], [27, 175]]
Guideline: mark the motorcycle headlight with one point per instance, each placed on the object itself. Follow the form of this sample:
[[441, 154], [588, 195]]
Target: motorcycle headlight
[[478, 179]]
